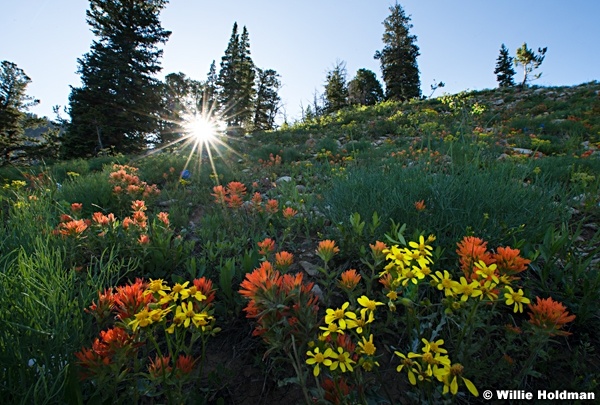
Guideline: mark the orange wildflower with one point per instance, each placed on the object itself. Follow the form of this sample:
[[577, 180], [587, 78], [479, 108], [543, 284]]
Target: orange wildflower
[[272, 206], [377, 249], [234, 201], [144, 239], [260, 278], [257, 202], [236, 188], [163, 217], [289, 212], [327, 249], [266, 246], [283, 259], [220, 194], [205, 286], [117, 189], [159, 367], [420, 205], [509, 261], [350, 279], [127, 222], [76, 207], [140, 219], [138, 205], [130, 299], [65, 218], [185, 364], [470, 251], [106, 303], [549, 316], [73, 228]]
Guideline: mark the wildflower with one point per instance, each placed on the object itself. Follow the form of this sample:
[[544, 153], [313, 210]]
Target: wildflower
[[443, 282], [451, 378], [486, 272], [516, 298], [157, 285], [266, 246], [350, 279], [185, 364], [220, 194], [331, 328], [258, 279], [272, 206], [470, 251], [138, 205], [159, 367], [289, 212], [411, 366], [342, 360], [414, 274], [106, 303], [366, 346], [127, 222], [130, 299], [257, 201], [434, 347], [187, 314], [236, 188], [467, 290], [421, 246], [489, 290], [206, 287], [235, 201], [368, 304], [76, 207], [339, 315], [420, 205], [91, 360], [283, 259], [144, 239], [335, 392], [193, 292], [179, 289], [142, 319], [327, 249], [163, 217], [73, 228], [140, 219], [549, 316], [509, 261], [377, 250], [318, 358]]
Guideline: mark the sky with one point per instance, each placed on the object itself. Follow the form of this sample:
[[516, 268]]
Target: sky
[[459, 41]]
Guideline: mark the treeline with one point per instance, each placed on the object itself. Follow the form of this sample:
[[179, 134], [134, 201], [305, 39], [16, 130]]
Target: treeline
[[122, 107]]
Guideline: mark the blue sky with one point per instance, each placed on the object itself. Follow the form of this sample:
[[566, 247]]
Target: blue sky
[[459, 40]]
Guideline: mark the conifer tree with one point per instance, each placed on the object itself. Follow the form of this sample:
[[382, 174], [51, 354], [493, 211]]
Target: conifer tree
[[209, 94], [336, 89], [181, 96], [364, 89], [14, 104], [530, 61], [119, 101], [267, 99], [236, 80], [504, 68], [398, 57]]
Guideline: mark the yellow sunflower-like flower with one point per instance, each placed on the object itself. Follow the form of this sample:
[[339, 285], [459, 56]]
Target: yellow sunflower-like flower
[[317, 358], [517, 298]]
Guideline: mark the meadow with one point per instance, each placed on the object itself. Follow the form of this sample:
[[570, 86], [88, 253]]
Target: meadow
[[417, 252]]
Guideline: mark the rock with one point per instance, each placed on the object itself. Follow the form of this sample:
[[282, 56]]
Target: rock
[[523, 151], [167, 203], [316, 290], [283, 179], [300, 188], [498, 102], [309, 268], [503, 156]]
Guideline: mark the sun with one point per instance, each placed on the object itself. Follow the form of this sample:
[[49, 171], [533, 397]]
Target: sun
[[201, 129]]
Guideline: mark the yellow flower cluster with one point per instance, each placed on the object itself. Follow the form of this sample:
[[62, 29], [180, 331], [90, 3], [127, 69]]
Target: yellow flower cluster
[[413, 264], [335, 348], [432, 363], [190, 304]]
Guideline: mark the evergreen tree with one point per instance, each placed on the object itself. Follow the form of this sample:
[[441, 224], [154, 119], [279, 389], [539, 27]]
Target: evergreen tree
[[236, 80], [530, 61], [119, 101], [398, 57], [364, 89], [504, 68], [336, 90], [209, 95], [267, 99], [14, 119]]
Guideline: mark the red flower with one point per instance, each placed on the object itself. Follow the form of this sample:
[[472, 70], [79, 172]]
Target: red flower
[[185, 364], [470, 251], [266, 246], [130, 299], [549, 316], [509, 262], [205, 286]]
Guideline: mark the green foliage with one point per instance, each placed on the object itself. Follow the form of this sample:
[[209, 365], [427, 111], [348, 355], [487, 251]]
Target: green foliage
[[530, 61], [336, 89], [398, 57], [364, 89], [504, 68], [267, 101], [119, 99]]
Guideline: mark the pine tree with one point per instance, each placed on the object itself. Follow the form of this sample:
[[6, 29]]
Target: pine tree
[[267, 99], [398, 57], [364, 89], [530, 61], [181, 97], [209, 95], [336, 90], [504, 68], [236, 80], [14, 104], [118, 103]]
